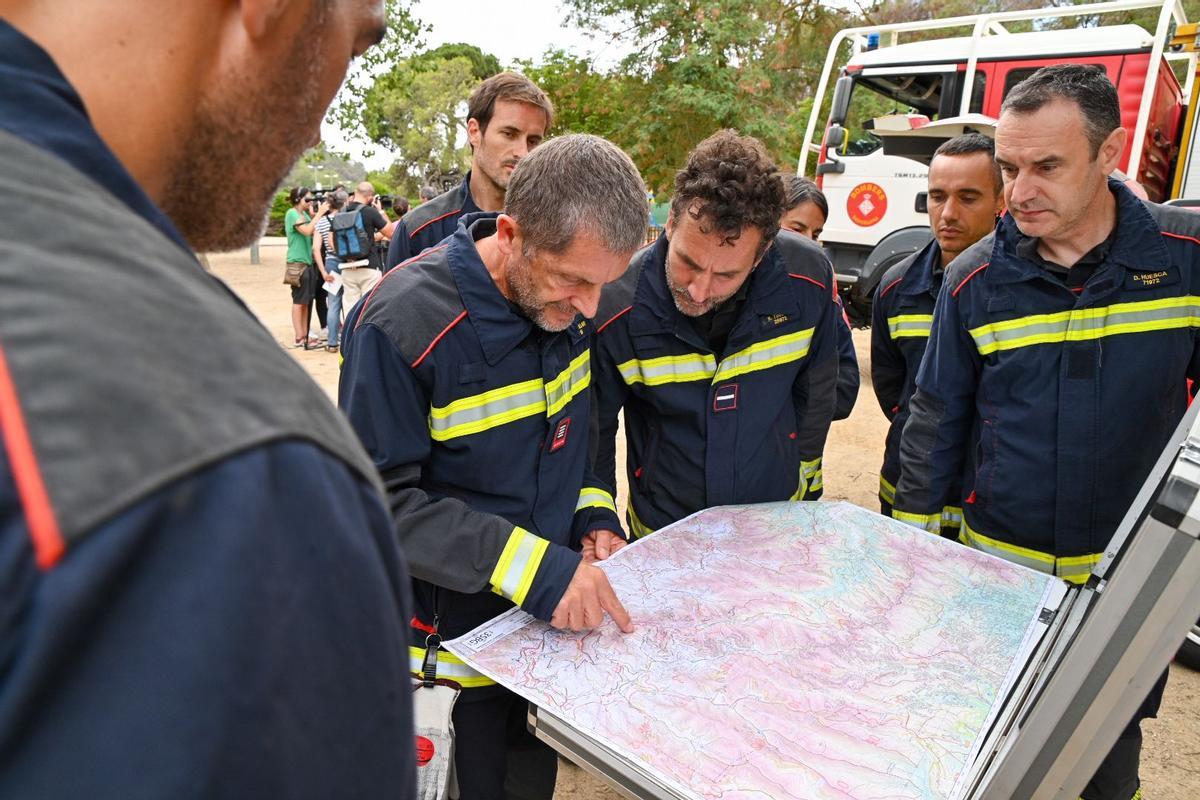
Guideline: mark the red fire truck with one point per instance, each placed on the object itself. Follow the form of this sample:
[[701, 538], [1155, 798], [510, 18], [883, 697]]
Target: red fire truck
[[877, 199]]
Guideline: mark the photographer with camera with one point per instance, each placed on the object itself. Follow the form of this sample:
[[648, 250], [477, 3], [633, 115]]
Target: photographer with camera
[[355, 230]]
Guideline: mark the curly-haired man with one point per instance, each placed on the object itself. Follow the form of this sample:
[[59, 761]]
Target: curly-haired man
[[720, 344]]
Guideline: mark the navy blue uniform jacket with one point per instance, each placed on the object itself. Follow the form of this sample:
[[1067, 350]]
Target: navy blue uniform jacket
[[704, 429], [902, 316], [429, 223], [233, 629], [1053, 405], [478, 422]]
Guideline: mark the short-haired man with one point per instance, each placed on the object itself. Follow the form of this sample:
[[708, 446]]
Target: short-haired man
[[507, 116], [1049, 342], [427, 193], [466, 375], [360, 275], [202, 592], [720, 345], [966, 195]]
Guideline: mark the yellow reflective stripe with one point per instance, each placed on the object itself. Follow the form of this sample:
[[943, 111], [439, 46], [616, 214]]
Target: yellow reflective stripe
[[1074, 569], [636, 527], [591, 497], [887, 492], [1088, 323], [448, 666], [668, 369], [519, 562], [490, 409], [910, 325], [927, 522], [570, 382], [810, 479], [764, 355], [952, 517]]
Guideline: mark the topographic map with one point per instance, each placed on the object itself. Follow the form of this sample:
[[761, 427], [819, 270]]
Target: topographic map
[[786, 650]]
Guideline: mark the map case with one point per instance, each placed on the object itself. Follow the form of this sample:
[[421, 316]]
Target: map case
[[787, 650]]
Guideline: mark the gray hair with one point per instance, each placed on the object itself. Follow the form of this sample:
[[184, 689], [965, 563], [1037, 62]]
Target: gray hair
[[428, 192], [338, 199], [1085, 85], [578, 184]]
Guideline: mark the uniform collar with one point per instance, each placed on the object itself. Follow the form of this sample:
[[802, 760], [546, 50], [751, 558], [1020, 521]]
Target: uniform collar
[[39, 105], [654, 309], [499, 325], [1137, 245], [926, 273], [466, 203]]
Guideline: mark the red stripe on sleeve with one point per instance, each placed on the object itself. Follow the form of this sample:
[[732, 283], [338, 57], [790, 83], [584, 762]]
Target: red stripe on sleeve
[[433, 344], [48, 546], [435, 219], [613, 318], [977, 270], [806, 278], [1180, 236], [891, 286]]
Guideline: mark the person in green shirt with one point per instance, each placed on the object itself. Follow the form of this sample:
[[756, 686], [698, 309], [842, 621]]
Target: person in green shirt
[[298, 224]]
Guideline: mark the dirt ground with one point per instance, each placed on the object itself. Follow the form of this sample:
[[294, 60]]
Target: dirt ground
[[1171, 757]]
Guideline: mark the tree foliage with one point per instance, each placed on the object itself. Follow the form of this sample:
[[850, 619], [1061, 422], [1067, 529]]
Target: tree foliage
[[417, 110], [319, 165]]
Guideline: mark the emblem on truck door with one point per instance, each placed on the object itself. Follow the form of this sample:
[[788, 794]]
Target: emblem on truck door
[[866, 204]]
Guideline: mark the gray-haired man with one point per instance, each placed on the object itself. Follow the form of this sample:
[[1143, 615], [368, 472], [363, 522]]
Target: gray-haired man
[[466, 375]]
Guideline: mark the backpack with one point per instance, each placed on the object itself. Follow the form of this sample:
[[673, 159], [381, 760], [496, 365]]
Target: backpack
[[350, 239]]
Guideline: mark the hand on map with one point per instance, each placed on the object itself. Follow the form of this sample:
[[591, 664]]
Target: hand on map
[[599, 545], [587, 598]]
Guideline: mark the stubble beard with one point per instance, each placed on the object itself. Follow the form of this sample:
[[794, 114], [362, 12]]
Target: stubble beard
[[220, 187], [525, 297]]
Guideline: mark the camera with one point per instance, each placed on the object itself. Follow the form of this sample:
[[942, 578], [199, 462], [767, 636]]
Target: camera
[[318, 196]]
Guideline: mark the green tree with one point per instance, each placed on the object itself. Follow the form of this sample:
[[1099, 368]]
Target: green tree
[[321, 166], [403, 37], [417, 110]]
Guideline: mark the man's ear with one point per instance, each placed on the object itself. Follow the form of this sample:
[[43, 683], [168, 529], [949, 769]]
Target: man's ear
[[1111, 149], [474, 133], [259, 17], [508, 235]]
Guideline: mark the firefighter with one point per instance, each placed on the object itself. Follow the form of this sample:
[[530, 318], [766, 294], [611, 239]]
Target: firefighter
[[720, 344], [507, 116], [805, 212], [965, 197], [466, 376], [1060, 351]]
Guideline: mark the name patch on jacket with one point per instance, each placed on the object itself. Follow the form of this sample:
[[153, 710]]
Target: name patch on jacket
[[725, 398], [1147, 280]]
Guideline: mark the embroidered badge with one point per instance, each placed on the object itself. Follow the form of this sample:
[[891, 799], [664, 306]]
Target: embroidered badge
[[560, 434], [725, 398]]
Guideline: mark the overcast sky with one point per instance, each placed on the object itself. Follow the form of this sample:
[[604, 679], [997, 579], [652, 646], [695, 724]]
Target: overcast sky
[[509, 31]]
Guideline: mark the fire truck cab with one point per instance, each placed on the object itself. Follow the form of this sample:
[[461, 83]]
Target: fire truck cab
[[877, 201]]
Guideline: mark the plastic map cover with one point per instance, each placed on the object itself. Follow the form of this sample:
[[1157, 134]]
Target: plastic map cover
[[786, 650]]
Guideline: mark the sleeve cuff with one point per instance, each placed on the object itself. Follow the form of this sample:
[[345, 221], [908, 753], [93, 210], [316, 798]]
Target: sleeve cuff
[[931, 523], [811, 480], [533, 574]]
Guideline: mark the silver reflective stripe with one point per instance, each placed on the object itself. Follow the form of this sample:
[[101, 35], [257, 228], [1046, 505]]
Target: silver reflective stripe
[[1026, 557], [910, 325], [764, 355], [590, 497], [572, 381], [448, 666], [1088, 323], [518, 563], [668, 369], [487, 410]]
